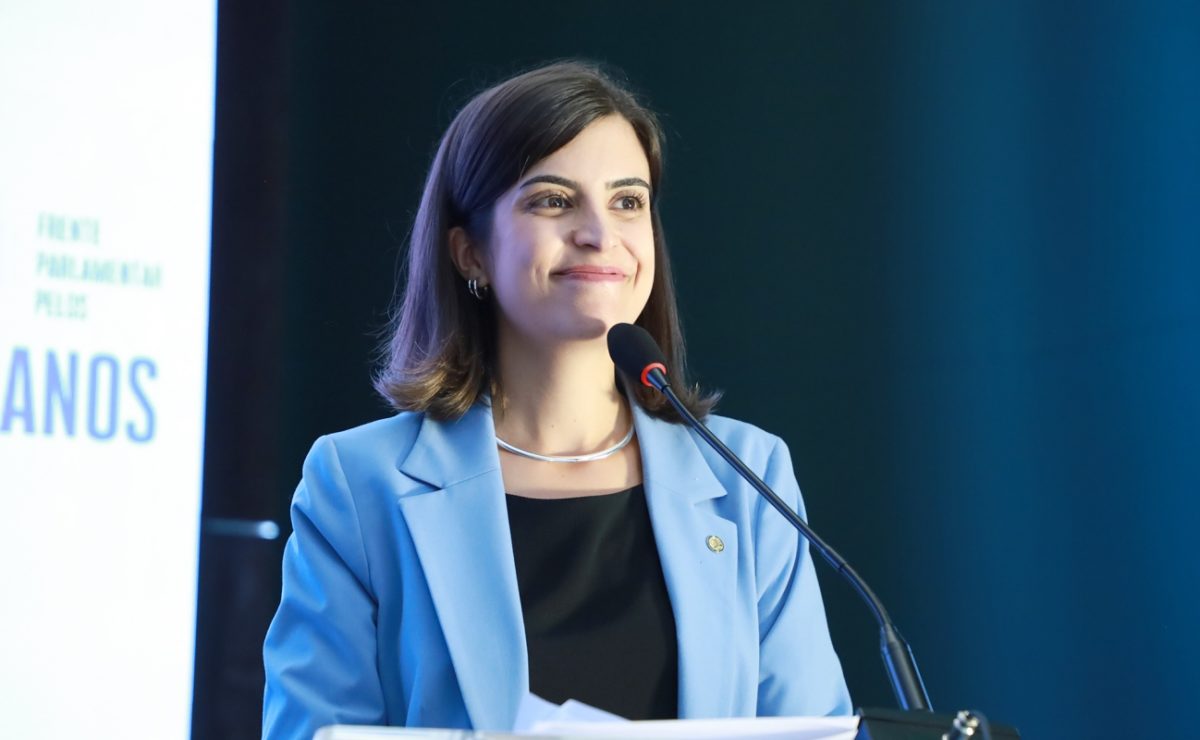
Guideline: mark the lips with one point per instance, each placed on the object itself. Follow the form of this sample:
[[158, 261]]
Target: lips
[[591, 273]]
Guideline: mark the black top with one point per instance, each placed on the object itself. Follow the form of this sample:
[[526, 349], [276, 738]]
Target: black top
[[598, 620]]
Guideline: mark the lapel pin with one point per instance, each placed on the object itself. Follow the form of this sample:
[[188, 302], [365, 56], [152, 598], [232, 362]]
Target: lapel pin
[[715, 543]]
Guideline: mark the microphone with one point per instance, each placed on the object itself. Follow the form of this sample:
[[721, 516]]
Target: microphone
[[637, 355]]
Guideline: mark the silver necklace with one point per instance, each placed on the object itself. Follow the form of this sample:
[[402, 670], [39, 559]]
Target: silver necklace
[[568, 458]]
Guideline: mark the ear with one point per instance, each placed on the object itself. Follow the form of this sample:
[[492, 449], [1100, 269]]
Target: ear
[[466, 256]]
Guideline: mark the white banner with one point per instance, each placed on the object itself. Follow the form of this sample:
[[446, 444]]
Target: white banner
[[105, 186]]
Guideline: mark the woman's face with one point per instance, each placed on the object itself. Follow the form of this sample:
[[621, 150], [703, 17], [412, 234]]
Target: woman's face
[[572, 245]]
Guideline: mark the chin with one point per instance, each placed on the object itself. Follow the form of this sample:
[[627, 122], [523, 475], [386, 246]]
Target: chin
[[578, 321], [590, 327], [585, 328]]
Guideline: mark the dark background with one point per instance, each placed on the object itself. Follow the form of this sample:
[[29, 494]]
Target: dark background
[[950, 252]]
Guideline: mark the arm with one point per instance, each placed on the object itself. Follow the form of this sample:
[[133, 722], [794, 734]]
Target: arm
[[320, 651], [799, 672]]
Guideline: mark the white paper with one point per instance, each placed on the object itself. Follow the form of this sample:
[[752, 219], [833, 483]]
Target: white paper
[[367, 732], [534, 711], [541, 718], [537, 717], [749, 728]]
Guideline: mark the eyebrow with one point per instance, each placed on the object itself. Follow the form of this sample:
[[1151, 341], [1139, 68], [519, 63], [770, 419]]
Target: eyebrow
[[624, 182]]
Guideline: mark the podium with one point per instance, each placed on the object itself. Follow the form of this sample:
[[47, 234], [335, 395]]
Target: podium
[[872, 724]]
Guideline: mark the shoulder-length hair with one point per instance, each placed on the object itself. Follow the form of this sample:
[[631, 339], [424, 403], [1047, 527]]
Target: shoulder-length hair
[[440, 357]]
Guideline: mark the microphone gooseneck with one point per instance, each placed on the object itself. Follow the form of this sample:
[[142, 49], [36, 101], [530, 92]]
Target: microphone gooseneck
[[636, 354]]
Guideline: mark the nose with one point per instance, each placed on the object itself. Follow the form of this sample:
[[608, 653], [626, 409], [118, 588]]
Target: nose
[[594, 230]]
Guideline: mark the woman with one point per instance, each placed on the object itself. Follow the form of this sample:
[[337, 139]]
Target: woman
[[527, 521]]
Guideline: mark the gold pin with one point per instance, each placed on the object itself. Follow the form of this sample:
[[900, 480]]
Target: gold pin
[[715, 543]]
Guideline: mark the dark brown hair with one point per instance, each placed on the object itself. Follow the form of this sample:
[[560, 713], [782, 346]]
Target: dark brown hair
[[441, 354]]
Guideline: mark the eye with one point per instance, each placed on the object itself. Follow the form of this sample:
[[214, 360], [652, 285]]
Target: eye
[[630, 202], [552, 201]]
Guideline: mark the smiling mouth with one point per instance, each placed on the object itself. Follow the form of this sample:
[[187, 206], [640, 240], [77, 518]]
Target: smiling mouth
[[591, 274]]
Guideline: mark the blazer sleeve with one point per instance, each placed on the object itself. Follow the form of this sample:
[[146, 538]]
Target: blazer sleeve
[[320, 650], [799, 672]]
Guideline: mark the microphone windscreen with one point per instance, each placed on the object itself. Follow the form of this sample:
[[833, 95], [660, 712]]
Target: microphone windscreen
[[633, 349]]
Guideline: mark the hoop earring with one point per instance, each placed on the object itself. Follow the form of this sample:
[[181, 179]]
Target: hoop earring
[[477, 290]]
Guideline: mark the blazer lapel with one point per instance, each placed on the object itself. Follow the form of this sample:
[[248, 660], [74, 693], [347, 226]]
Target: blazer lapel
[[680, 486], [460, 531]]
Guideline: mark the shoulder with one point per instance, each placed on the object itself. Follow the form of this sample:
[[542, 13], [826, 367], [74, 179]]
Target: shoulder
[[346, 498], [734, 431], [673, 445], [383, 441], [755, 446], [763, 452], [394, 430], [359, 467]]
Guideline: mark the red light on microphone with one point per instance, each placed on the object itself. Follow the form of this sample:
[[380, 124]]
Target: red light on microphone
[[650, 368]]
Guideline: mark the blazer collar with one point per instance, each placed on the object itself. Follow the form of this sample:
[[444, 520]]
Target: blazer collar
[[448, 452], [671, 458], [459, 527], [681, 489]]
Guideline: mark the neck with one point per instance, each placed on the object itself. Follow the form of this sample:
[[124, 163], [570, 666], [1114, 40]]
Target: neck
[[560, 399]]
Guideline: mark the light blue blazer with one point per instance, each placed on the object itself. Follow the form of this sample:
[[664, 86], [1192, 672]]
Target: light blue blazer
[[400, 602]]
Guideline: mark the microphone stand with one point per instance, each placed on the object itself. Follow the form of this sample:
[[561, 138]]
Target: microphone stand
[[635, 352], [898, 659], [915, 720]]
